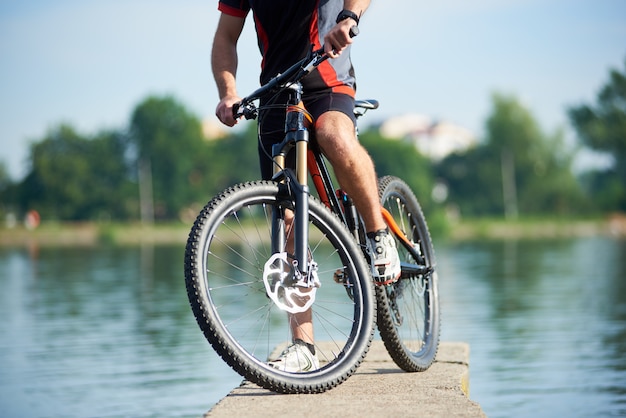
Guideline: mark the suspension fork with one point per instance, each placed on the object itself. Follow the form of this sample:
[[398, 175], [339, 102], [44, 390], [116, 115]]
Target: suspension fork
[[296, 135]]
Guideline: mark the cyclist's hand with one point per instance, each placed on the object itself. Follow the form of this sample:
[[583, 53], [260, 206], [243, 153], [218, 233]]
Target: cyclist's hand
[[338, 38], [224, 110]]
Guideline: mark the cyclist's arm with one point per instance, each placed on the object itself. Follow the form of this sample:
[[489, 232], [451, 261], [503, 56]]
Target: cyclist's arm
[[338, 38], [224, 65]]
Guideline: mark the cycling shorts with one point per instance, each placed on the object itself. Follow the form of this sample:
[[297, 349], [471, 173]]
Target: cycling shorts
[[272, 123]]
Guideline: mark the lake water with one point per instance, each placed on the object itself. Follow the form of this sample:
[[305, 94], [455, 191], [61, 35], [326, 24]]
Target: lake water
[[107, 331]]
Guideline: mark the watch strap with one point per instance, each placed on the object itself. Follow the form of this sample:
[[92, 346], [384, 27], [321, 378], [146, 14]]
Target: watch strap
[[347, 14]]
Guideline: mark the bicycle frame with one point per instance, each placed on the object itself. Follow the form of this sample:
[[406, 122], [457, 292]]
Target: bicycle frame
[[309, 160]]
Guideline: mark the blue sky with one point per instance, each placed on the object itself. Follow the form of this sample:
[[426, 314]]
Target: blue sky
[[89, 63]]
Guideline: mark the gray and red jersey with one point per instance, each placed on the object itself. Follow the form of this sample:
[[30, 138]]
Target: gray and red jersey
[[286, 29]]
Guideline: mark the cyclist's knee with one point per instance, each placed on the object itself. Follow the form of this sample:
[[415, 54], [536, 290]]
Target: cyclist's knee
[[335, 131], [334, 122]]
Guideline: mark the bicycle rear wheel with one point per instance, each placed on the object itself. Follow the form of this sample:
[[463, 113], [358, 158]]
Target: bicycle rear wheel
[[408, 310], [227, 249]]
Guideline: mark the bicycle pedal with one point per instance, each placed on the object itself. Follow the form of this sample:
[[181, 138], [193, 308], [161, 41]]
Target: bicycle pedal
[[340, 277]]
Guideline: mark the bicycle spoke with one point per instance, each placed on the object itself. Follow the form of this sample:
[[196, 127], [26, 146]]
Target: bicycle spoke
[[225, 282]]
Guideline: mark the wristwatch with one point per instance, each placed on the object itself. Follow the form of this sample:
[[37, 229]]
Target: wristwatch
[[347, 14]]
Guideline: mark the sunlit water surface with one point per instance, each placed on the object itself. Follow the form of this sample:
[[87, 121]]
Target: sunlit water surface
[[108, 332]]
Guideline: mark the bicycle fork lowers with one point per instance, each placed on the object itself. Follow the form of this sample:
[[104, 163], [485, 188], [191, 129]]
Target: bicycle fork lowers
[[291, 281]]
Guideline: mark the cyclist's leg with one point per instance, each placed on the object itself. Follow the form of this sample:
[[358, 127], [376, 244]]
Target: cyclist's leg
[[301, 324], [354, 169], [352, 164], [336, 134]]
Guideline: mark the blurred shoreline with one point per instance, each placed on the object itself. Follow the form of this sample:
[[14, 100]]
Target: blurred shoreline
[[91, 233]]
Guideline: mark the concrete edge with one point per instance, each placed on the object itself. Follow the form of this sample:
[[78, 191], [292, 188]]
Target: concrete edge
[[378, 388]]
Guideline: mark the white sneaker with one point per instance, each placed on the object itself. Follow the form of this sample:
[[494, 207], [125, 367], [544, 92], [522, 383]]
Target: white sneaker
[[296, 358], [384, 259]]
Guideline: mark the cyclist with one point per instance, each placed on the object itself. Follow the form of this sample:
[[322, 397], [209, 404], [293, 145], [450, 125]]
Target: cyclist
[[286, 29]]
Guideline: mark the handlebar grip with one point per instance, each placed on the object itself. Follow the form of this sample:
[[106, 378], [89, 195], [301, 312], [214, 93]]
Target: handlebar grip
[[236, 110]]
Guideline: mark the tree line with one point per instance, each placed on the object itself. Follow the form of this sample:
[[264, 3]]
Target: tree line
[[162, 167]]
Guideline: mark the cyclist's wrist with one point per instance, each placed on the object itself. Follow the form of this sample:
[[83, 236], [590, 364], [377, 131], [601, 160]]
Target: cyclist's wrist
[[347, 14]]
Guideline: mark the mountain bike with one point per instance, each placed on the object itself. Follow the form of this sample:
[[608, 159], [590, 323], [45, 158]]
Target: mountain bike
[[262, 251]]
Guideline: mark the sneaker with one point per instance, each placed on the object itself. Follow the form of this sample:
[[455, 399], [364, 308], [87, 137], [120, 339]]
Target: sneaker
[[385, 261], [298, 357]]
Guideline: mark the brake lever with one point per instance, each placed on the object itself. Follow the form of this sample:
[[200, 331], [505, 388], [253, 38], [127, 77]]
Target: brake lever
[[248, 111], [319, 56]]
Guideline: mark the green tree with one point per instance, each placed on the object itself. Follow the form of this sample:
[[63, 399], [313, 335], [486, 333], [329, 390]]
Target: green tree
[[540, 163], [75, 177], [7, 190], [170, 151], [5, 179], [114, 195], [602, 127], [234, 159], [401, 159], [517, 169], [473, 179]]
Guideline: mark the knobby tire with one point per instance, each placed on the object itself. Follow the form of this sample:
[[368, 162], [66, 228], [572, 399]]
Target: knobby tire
[[408, 310], [224, 258]]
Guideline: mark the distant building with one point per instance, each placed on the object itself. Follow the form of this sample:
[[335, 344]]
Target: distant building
[[213, 129], [434, 139]]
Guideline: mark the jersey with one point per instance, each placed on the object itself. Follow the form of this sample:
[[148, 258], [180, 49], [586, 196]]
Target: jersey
[[286, 29]]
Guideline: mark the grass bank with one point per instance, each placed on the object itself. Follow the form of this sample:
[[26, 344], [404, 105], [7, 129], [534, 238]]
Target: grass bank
[[84, 234], [59, 234], [535, 228]]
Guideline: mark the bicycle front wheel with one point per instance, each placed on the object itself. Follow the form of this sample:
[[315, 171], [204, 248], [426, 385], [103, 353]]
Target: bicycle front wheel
[[226, 252], [408, 310]]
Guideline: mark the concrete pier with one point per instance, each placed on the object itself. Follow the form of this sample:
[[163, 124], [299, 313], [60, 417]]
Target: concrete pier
[[378, 389]]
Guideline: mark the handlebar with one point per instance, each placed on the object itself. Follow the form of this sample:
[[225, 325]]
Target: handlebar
[[292, 75]]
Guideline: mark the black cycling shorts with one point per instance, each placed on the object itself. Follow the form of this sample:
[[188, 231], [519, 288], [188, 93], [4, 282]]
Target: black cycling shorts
[[272, 123]]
